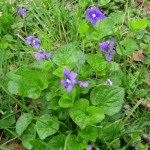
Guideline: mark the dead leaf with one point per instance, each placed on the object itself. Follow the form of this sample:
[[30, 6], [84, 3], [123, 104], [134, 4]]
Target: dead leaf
[[138, 55], [143, 104], [11, 67], [143, 6], [16, 146], [53, 47], [146, 138], [37, 101], [15, 107]]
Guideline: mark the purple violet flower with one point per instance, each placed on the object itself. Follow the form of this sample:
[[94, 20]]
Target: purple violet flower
[[90, 148], [70, 79], [105, 48], [34, 42], [127, 107], [84, 84], [94, 14], [22, 11], [133, 144], [41, 55], [109, 82]]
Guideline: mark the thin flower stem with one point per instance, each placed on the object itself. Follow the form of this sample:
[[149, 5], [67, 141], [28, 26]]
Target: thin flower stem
[[83, 45], [65, 146]]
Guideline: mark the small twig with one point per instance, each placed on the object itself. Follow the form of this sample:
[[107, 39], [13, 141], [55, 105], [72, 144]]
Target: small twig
[[9, 141], [143, 104]]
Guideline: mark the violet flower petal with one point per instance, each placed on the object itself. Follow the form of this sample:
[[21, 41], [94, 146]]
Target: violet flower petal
[[35, 46], [108, 56], [65, 72], [29, 40], [104, 46], [74, 82], [98, 13], [72, 76], [69, 87], [24, 9], [111, 43], [109, 82], [20, 11], [133, 145], [39, 56], [64, 82], [127, 107], [90, 148], [84, 84], [93, 21], [112, 51], [48, 54], [88, 11]]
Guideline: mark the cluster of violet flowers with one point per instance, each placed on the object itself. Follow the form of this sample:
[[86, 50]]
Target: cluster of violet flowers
[[71, 79], [92, 15], [34, 42]]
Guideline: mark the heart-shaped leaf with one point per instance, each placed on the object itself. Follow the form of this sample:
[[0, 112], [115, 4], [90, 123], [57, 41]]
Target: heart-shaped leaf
[[46, 126], [89, 133], [108, 98], [73, 144], [83, 114]]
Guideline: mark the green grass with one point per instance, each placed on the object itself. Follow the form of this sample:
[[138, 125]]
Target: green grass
[[57, 23]]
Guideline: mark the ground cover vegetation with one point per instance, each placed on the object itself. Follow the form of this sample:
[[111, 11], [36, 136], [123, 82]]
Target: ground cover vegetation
[[74, 74]]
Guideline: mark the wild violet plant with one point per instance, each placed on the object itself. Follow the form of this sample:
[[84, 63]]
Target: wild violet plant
[[78, 115], [34, 42], [22, 12], [42, 54]]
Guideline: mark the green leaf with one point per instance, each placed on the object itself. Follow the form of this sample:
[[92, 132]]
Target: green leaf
[[105, 27], [66, 55], [23, 122], [83, 28], [109, 133], [65, 102], [92, 33], [108, 98], [89, 133], [37, 144], [116, 80], [30, 82], [42, 65], [81, 59], [67, 99], [54, 103], [85, 70], [8, 121], [46, 126], [138, 24], [83, 114], [104, 2], [138, 34], [59, 72], [73, 144], [13, 87], [130, 46], [83, 3], [96, 62], [57, 142], [28, 136]]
